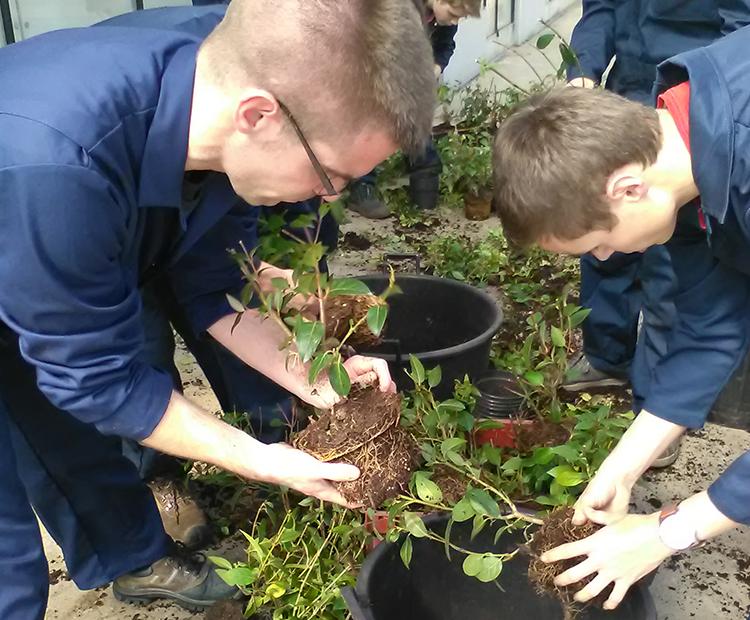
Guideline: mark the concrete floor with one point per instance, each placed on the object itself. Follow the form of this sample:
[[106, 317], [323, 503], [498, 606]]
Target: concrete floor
[[712, 583]]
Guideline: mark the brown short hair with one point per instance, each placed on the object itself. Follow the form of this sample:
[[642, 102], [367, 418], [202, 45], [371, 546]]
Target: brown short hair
[[470, 7], [552, 158], [337, 65]]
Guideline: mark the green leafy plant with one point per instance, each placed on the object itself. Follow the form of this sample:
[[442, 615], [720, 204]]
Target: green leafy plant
[[477, 261], [467, 163], [298, 306]]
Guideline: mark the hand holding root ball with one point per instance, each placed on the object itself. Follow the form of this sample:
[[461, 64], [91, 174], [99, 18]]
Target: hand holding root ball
[[604, 562]]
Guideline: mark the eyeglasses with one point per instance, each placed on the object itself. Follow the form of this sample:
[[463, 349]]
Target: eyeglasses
[[330, 190]]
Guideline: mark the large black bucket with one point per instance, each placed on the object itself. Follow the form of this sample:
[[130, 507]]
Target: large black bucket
[[442, 322], [434, 588], [732, 407]]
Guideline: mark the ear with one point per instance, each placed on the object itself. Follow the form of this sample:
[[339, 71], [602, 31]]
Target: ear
[[627, 184], [258, 110]]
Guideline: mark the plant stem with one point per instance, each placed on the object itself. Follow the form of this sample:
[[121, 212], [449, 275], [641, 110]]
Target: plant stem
[[511, 82]]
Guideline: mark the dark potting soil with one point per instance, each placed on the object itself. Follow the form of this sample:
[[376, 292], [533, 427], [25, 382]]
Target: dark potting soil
[[452, 484], [557, 530], [353, 241], [343, 309], [540, 434], [363, 416], [363, 430], [386, 465], [226, 610]]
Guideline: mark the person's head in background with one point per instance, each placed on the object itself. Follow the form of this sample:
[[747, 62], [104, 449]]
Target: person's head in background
[[334, 69], [450, 12], [579, 170]]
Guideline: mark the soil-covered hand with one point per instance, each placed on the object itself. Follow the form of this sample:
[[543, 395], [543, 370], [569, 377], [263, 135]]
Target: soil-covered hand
[[279, 463], [604, 501], [620, 554], [361, 370]]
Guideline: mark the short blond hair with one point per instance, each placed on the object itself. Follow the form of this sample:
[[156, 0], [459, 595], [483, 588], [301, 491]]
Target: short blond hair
[[343, 65]]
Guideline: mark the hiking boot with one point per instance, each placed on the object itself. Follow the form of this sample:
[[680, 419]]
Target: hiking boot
[[183, 519], [183, 577], [363, 199], [669, 455], [583, 376]]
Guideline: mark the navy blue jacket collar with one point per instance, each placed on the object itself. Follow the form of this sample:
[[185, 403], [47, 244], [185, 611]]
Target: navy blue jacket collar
[[165, 153], [711, 125]]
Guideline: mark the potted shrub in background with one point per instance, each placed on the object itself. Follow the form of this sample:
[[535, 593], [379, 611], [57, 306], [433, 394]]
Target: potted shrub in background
[[467, 165]]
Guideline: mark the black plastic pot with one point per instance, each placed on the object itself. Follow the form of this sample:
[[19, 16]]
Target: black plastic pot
[[442, 322], [434, 588], [732, 408], [500, 395]]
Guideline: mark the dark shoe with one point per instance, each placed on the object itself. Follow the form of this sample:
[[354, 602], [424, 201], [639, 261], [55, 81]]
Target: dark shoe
[[424, 188], [183, 519], [185, 578], [669, 455], [582, 376], [363, 199]]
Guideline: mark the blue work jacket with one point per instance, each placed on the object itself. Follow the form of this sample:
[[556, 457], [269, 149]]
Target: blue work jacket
[[642, 33], [93, 142], [712, 266]]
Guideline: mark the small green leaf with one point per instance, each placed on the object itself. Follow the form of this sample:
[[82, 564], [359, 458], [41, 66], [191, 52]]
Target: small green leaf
[[319, 364], [240, 576], [235, 303], [473, 564], [275, 591], [434, 376], [568, 55], [478, 526], [566, 476], [491, 568], [558, 338], [463, 510], [451, 445], [347, 286], [406, 551], [543, 41], [534, 377], [417, 370], [414, 525], [339, 379], [567, 452], [220, 562], [427, 490], [542, 456], [482, 503], [307, 337], [451, 405], [376, 317]]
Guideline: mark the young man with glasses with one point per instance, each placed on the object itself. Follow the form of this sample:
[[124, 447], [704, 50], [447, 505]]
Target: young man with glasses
[[130, 155]]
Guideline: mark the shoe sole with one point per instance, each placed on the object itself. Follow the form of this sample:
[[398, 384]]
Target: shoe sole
[[590, 385], [161, 595]]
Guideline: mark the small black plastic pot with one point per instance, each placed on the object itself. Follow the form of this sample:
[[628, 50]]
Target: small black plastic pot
[[440, 321], [435, 588], [500, 396]]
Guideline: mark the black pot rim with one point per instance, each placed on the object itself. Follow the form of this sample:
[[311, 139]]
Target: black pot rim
[[458, 349]]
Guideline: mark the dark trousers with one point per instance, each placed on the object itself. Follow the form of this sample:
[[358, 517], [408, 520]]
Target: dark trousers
[[88, 495], [617, 290], [428, 161]]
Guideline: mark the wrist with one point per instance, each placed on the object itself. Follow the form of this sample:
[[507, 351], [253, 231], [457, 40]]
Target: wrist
[[677, 530]]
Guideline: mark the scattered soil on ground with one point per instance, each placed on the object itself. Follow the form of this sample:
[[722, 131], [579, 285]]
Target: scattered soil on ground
[[363, 430], [343, 310], [539, 434], [226, 610], [558, 529], [353, 241]]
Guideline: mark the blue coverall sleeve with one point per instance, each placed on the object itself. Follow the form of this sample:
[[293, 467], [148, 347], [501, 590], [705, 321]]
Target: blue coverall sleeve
[[707, 344], [731, 492], [443, 44], [709, 337], [207, 272], [593, 40], [67, 293]]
